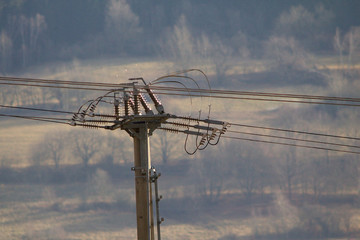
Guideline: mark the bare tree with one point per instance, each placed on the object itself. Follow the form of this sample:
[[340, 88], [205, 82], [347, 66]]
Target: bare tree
[[285, 53], [6, 46], [217, 53], [339, 45], [51, 147], [179, 45], [121, 25], [250, 169], [289, 170], [86, 145], [29, 31], [352, 43], [166, 145], [210, 176], [311, 28], [117, 149], [188, 51]]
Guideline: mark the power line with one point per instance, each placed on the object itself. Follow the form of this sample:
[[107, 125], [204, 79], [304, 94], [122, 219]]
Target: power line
[[63, 82], [271, 128], [295, 131], [258, 99], [291, 144], [188, 95], [294, 139], [43, 119], [53, 86], [36, 109], [250, 93], [192, 90]]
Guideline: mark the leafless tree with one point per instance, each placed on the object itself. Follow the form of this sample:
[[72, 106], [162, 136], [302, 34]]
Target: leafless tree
[[289, 168], [352, 41], [311, 28], [29, 31], [6, 46], [339, 45], [250, 169], [179, 45], [188, 51], [166, 145], [121, 25], [216, 52], [51, 147], [117, 149], [286, 54], [210, 176], [86, 145]]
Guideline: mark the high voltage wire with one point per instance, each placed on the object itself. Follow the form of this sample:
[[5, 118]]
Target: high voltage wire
[[293, 139], [260, 135], [249, 93], [56, 87], [258, 99], [280, 129], [36, 109], [63, 121], [62, 82], [55, 111], [53, 119], [190, 95], [232, 124], [66, 121], [176, 89], [290, 144], [294, 131], [36, 118]]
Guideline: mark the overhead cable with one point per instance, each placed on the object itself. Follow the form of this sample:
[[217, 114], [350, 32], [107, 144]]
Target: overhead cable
[[291, 144]]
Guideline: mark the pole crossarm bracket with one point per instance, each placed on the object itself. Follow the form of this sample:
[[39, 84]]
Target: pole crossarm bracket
[[137, 121]]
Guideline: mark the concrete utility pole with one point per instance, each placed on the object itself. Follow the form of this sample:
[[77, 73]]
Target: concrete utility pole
[[140, 125], [142, 165]]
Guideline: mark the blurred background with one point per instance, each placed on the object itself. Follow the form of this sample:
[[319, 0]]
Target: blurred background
[[59, 182]]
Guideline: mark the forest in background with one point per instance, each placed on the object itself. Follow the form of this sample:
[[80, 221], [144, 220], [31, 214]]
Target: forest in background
[[39, 31]]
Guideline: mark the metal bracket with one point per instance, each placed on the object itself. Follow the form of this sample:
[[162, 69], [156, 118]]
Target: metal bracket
[[143, 170]]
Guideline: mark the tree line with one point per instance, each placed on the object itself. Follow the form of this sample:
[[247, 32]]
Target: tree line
[[32, 32]]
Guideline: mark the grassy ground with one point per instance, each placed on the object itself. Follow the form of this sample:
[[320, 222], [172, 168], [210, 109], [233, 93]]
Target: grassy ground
[[46, 211]]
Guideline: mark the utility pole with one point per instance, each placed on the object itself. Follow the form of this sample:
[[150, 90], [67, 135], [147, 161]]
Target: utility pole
[[142, 166], [140, 125], [140, 128]]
